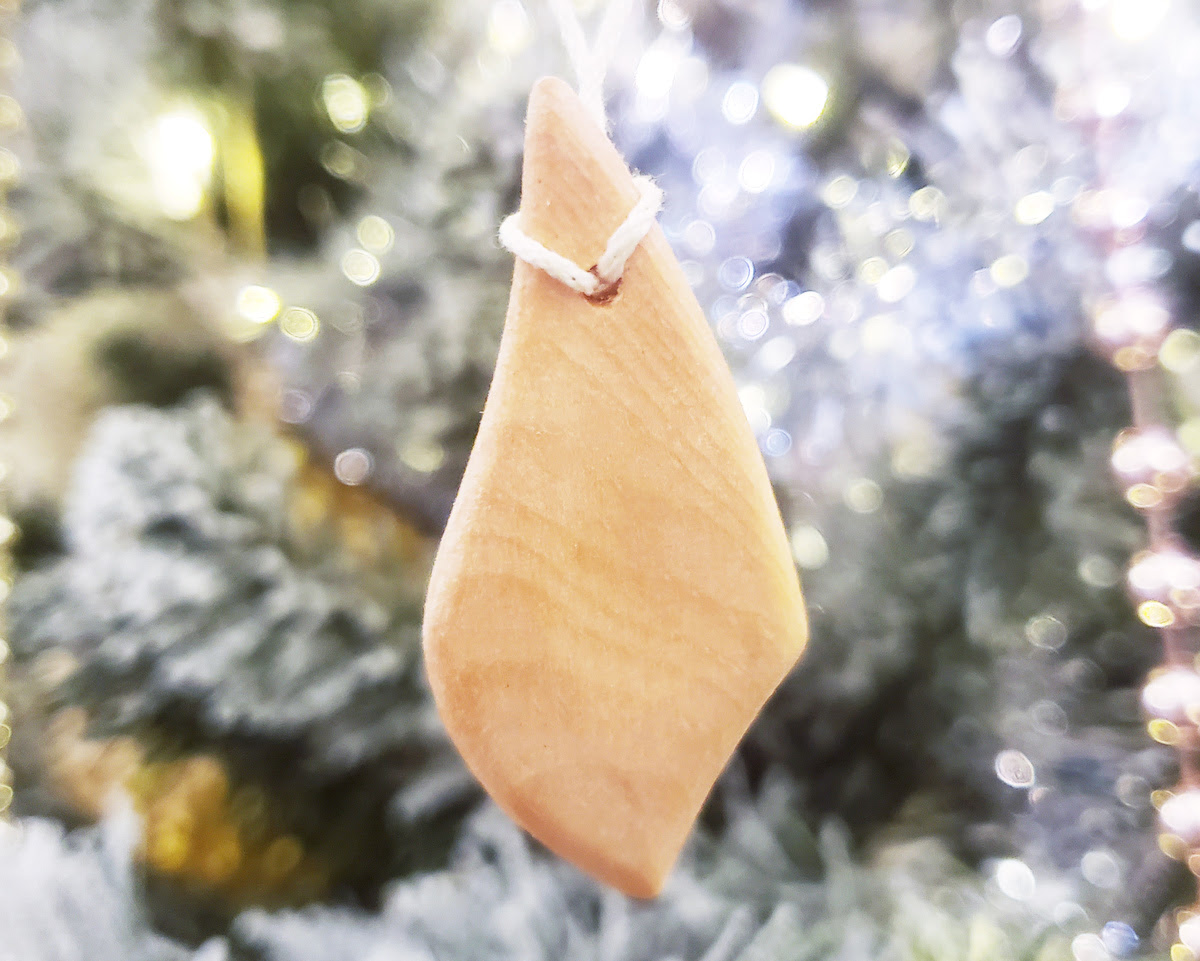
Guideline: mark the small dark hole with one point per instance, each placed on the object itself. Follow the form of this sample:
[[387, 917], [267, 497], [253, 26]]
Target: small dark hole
[[605, 295]]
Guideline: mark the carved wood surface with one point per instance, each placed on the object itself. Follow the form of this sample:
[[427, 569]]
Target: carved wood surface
[[614, 597]]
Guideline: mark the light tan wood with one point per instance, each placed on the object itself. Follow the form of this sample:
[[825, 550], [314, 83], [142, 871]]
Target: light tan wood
[[614, 598]]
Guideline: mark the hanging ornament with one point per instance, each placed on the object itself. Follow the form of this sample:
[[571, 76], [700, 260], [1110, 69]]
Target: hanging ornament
[[614, 598]]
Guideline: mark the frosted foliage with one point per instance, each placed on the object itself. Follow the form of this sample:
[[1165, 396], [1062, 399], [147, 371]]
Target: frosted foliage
[[767, 891], [67, 897], [180, 592], [752, 896]]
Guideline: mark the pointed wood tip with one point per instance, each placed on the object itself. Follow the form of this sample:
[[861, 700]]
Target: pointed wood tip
[[552, 99], [575, 187]]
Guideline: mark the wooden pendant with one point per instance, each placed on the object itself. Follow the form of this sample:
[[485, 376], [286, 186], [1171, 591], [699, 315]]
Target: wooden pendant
[[614, 598]]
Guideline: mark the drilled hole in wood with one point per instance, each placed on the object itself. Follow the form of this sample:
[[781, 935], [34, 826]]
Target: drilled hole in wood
[[606, 294]]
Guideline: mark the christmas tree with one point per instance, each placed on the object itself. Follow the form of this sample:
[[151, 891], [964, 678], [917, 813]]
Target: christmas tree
[[949, 251]]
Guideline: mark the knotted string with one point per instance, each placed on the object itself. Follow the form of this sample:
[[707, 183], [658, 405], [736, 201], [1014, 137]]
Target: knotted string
[[590, 64]]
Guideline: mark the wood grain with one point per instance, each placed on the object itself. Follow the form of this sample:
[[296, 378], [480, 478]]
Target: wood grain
[[614, 597]]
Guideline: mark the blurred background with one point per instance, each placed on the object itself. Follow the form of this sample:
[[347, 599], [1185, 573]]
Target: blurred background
[[253, 299]]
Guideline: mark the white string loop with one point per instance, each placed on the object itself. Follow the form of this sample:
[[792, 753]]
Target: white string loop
[[590, 67], [611, 265]]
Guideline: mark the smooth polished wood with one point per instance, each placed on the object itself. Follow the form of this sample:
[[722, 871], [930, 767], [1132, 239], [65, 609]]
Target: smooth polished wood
[[614, 598]]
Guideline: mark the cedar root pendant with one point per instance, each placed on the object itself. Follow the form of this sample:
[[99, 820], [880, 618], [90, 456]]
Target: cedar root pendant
[[614, 598]]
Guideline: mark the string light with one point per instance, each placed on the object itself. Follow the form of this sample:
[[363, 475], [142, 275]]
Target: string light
[[1173, 694], [809, 548], [346, 102], [1132, 328], [795, 95], [258, 305], [1136, 20], [353, 466], [1009, 270], [1034, 208], [8, 529], [508, 28], [376, 234], [1169, 578], [180, 150], [740, 102], [424, 457], [299, 324], [1152, 466], [361, 267]]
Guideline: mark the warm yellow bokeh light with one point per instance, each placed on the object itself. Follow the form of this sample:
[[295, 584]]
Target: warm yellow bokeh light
[[897, 158], [375, 233], [360, 267], [809, 548], [10, 166], [863, 496], [1034, 208], [1009, 270], [1155, 614], [927, 204], [871, 270], [179, 149], [259, 305], [1144, 496], [1180, 351], [508, 28], [346, 102], [796, 96], [839, 191], [424, 457], [300, 324]]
